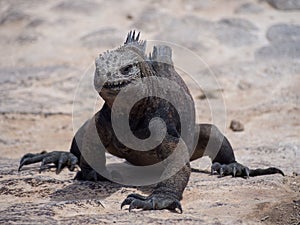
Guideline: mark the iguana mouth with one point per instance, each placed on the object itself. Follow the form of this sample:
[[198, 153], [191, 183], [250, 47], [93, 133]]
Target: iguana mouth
[[116, 84]]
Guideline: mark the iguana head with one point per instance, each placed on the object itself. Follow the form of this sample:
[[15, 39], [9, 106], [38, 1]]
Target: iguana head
[[117, 68]]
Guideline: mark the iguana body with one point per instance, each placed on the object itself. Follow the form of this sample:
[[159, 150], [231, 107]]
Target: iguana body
[[114, 71]]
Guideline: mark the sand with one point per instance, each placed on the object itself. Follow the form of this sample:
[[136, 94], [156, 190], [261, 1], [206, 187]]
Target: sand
[[251, 48]]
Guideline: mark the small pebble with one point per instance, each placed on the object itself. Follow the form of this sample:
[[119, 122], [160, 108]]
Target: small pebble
[[236, 125], [264, 218]]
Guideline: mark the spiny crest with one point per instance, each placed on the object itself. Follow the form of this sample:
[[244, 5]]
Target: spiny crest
[[131, 37], [133, 40], [132, 43]]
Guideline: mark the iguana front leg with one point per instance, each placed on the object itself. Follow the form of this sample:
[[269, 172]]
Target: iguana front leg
[[86, 149], [60, 159], [168, 193]]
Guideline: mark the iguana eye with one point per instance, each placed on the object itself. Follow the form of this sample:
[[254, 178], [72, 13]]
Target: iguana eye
[[126, 69]]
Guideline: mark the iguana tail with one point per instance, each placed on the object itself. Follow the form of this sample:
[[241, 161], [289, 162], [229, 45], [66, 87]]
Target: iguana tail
[[260, 172]]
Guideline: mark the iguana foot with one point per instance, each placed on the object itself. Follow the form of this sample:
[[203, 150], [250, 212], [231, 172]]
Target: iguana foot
[[152, 202], [91, 175], [235, 169], [58, 158]]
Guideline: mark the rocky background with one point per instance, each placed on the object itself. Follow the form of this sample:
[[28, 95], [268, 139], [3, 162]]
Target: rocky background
[[253, 49]]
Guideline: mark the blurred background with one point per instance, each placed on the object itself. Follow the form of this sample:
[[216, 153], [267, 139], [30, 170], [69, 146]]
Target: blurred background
[[252, 47]]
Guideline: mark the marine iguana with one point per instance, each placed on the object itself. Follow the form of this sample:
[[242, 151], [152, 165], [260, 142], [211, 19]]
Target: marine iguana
[[129, 65]]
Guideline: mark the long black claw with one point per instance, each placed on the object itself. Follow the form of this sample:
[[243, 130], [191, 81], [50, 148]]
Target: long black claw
[[30, 158], [137, 196], [247, 172], [221, 172], [234, 171], [73, 162], [127, 201], [215, 168], [176, 205], [279, 171], [21, 165], [62, 160]]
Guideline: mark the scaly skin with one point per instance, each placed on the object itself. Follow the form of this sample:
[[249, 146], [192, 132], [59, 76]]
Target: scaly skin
[[114, 71]]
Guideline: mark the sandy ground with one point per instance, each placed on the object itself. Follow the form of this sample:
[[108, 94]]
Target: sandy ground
[[253, 51]]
